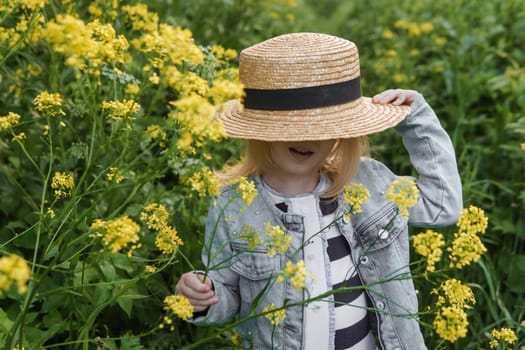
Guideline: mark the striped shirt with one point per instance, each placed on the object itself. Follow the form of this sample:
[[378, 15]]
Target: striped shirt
[[341, 321]]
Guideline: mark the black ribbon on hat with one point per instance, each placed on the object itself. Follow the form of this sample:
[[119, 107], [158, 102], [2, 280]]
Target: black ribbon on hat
[[303, 98]]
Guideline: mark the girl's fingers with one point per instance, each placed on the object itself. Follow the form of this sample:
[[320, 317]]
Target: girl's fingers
[[395, 96]]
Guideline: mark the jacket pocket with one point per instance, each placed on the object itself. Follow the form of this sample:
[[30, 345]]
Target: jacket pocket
[[381, 229], [254, 264]]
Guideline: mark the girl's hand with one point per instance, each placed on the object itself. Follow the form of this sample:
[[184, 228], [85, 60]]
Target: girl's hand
[[200, 294], [396, 97]]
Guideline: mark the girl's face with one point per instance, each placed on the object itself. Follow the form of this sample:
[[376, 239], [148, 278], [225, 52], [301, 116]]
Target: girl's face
[[299, 160]]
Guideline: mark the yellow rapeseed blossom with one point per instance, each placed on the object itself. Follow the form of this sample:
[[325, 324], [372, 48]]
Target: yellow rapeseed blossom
[[50, 104], [168, 240], [156, 132], [504, 335], [224, 90], [295, 273], [236, 339], [195, 114], [118, 233], [454, 293], [404, 194], [279, 240], [275, 316], [14, 270], [62, 183], [121, 110], [247, 190], [428, 244], [187, 83], [204, 182], [522, 146], [451, 323], [132, 89], [179, 306], [150, 269], [155, 216], [387, 34], [140, 18], [222, 54], [426, 27], [19, 137], [472, 220], [356, 195], [465, 249], [440, 41], [250, 234], [114, 174], [8, 121]]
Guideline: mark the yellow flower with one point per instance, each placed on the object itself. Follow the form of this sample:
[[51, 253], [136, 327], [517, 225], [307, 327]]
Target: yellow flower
[[236, 339], [117, 233], [13, 270], [179, 306], [356, 194], [279, 240], [247, 190], [19, 137], [404, 194], [295, 273], [451, 323], [505, 335], [426, 27], [114, 174], [49, 104], [51, 213], [140, 18], [472, 220], [428, 244], [454, 293], [466, 248], [132, 89], [275, 316], [440, 41], [154, 132], [250, 234], [8, 121], [413, 29], [204, 182], [167, 240], [121, 110], [62, 183], [150, 269], [387, 34], [155, 216], [391, 53], [522, 146], [196, 115]]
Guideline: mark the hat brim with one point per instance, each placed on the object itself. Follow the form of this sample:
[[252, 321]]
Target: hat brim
[[358, 118]]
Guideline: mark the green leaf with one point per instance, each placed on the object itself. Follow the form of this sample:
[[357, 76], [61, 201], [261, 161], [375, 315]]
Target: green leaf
[[5, 322], [128, 342]]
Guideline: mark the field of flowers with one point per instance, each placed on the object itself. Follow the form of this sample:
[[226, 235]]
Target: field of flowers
[[108, 141]]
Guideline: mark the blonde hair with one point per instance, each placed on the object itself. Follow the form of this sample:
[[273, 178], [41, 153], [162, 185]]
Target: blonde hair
[[340, 166]]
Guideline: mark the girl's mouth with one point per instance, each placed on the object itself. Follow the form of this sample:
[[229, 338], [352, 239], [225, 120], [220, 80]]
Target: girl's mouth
[[300, 152]]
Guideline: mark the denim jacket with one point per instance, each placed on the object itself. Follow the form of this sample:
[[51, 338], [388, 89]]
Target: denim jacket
[[378, 238]]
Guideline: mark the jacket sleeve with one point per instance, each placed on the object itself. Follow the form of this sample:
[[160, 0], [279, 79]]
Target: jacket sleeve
[[217, 251], [432, 155]]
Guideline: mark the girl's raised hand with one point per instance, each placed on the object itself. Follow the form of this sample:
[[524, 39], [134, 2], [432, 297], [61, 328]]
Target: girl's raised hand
[[199, 294], [396, 97]]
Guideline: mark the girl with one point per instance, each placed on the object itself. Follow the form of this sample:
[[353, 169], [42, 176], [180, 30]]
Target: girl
[[304, 120]]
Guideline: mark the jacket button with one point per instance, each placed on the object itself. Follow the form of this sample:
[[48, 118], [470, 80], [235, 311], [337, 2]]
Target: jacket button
[[380, 305], [363, 260], [383, 234]]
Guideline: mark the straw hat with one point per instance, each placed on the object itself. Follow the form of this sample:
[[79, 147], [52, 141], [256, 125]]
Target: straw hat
[[304, 86]]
